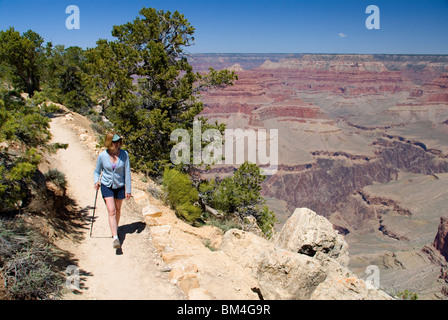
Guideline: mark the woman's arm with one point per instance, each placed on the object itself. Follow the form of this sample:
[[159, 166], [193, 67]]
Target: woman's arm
[[97, 172], [127, 176]]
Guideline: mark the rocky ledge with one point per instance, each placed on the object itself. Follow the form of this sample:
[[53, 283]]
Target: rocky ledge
[[306, 260]]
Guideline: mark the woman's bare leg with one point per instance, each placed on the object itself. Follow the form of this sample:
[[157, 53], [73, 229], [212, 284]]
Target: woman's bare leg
[[118, 203], [110, 205]]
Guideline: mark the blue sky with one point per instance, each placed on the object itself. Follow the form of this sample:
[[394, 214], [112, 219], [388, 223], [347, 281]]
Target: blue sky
[[252, 26]]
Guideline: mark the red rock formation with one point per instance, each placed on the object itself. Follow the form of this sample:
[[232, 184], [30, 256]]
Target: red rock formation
[[441, 239], [316, 102], [433, 93], [294, 108], [341, 77], [436, 92], [444, 273], [441, 81], [445, 291]]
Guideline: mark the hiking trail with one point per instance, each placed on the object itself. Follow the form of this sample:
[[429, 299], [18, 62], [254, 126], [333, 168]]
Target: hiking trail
[[132, 272]]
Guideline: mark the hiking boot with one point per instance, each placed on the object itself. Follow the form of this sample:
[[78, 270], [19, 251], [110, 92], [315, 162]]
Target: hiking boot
[[116, 244]]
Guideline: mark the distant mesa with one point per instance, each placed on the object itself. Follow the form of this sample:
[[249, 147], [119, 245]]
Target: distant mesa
[[236, 67]]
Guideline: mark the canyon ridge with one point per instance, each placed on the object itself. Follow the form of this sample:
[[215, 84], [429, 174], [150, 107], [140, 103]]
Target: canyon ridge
[[362, 141]]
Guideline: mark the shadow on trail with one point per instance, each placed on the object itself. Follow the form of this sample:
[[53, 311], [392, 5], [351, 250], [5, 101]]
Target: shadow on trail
[[70, 221], [135, 227], [73, 278]]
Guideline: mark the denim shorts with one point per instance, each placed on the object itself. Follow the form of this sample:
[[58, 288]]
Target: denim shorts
[[115, 193]]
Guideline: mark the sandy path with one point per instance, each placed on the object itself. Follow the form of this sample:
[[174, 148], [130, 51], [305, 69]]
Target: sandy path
[[134, 272]]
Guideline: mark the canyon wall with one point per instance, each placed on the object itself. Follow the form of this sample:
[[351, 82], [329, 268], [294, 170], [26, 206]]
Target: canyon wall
[[354, 132]]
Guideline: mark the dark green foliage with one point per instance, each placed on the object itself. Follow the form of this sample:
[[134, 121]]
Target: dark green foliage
[[240, 195], [15, 174], [58, 71], [25, 258], [65, 78], [20, 122], [266, 220], [181, 194], [23, 56], [165, 93], [23, 129], [57, 177], [406, 295]]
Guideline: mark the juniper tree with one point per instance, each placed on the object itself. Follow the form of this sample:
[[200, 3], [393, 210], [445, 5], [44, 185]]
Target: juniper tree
[[240, 195], [149, 84], [64, 77], [24, 55], [24, 127]]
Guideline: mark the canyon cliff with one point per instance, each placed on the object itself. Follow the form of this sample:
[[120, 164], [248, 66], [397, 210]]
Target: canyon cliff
[[362, 141], [441, 239]]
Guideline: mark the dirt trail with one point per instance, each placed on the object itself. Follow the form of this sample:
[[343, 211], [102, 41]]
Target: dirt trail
[[135, 271]]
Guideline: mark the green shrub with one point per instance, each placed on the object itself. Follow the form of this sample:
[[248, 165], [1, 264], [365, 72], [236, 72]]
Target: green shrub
[[25, 263], [57, 177], [266, 221], [181, 195], [406, 295], [240, 195], [225, 224], [23, 127], [28, 275]]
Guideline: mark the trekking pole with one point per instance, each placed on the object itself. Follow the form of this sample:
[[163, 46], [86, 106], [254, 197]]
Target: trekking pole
[[93, 215]]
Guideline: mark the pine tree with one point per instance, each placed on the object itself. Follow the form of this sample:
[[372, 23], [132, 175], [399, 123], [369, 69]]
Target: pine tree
[[64, 77], [150, 86], [24, 54], [25, 128]]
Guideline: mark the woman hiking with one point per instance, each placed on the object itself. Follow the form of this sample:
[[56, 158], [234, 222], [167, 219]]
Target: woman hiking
[[115, 180]]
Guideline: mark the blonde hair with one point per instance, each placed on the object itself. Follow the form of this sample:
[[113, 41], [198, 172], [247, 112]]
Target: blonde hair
[[108, 142]]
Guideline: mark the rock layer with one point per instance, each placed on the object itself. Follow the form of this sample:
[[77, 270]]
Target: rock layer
[[306, 260], [347, 123], [441, 239]]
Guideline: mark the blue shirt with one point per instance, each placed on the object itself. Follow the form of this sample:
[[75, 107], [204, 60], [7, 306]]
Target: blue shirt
[[113, 178]]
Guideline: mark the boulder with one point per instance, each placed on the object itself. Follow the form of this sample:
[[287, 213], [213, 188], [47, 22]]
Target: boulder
[[151, 213], [83, 137], [307, 233], [173, 257], [187, 282], [175, 274], [245, 248], [140, 198], [286, 275], [199, 294], [160, 236], [341, 284]]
